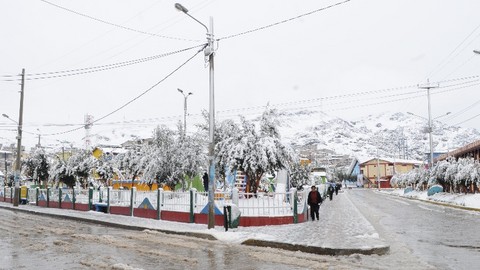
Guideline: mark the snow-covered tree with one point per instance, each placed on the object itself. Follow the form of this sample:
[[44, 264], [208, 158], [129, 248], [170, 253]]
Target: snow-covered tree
[[172, 157], [104, 167], [254, 152], [60, 172], [452, 174], [37, 165], [161, 161], [130, 163], [191, 154], [81, 163], [299, 174]]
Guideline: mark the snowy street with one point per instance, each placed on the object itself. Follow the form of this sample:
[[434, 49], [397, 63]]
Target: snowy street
[[31, 241], [38, 242], [420, 236], [444, 237]]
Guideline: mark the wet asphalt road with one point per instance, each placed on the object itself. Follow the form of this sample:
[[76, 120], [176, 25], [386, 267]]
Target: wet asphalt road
[[442, 237]]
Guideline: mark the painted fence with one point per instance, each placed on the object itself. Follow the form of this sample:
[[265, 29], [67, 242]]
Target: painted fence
[[191, 206]]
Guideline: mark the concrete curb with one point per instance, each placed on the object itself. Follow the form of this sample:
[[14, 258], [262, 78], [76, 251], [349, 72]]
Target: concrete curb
[[318, 250]]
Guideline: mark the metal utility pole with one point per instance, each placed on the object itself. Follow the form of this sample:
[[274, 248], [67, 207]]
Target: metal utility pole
[[428, 86], [378, 170], [6, 172], [39, 135], [209, 52], [18, 165], [185, 96]]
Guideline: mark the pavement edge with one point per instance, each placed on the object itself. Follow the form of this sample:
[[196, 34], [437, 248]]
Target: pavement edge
[[381, 250]]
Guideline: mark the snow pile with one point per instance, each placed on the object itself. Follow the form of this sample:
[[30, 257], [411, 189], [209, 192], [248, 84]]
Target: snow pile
[[459, 199], [467, 200]]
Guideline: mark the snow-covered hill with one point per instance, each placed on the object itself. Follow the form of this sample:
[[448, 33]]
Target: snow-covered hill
[[397, 135]]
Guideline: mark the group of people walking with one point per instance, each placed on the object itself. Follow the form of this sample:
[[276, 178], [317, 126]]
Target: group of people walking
[[315, 199]]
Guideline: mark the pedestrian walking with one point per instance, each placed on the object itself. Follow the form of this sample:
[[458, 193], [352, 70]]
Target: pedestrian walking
[[330, 191], [314, 201], [205, 181], [337, 188]]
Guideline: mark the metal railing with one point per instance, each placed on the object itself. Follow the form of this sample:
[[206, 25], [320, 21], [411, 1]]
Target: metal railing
[[250, 204]]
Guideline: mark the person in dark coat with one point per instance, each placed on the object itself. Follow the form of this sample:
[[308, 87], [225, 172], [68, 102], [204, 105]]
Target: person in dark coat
[[314, 200], [330, 191], [337, 188], [205, 181]]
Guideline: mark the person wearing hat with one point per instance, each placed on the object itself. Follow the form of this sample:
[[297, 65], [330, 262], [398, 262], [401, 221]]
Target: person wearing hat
[[314, 201]]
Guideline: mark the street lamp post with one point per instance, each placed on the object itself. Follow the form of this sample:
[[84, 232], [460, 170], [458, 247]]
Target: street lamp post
[[185, 96], [210, 52]]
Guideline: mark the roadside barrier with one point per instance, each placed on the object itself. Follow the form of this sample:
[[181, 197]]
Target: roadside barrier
[[190, 206]]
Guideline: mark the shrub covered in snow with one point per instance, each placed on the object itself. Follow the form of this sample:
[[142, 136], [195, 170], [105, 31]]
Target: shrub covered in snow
[[450, 173]]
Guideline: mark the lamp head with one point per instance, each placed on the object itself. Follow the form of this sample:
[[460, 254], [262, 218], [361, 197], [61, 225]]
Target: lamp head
[[4, 115], [190, 93], [180, 90], [181, 8], [476, 51]]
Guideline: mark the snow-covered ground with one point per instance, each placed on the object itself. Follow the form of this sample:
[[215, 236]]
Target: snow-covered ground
[[457, 199]]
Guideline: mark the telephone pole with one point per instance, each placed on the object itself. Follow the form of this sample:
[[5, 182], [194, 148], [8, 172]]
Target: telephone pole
[[18, 165], [428, 86]]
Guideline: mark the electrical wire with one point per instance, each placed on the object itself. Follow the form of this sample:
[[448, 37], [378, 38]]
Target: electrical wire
[[284, 106], [284, 21], [460, 66], [447, 60], [114, 24], [80, 71], [471, 118], [324, 100], [455, 115], [134, 99]]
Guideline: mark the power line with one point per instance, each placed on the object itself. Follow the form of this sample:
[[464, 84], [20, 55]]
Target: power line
[[114, 24], [340, 98], [444, 61], [284, 21], [455, 115], [80, 71], [382, 100], [457, 124], [460, 66], [136, 98]]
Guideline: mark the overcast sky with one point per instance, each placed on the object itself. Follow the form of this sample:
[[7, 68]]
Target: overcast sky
[[349, 60]]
